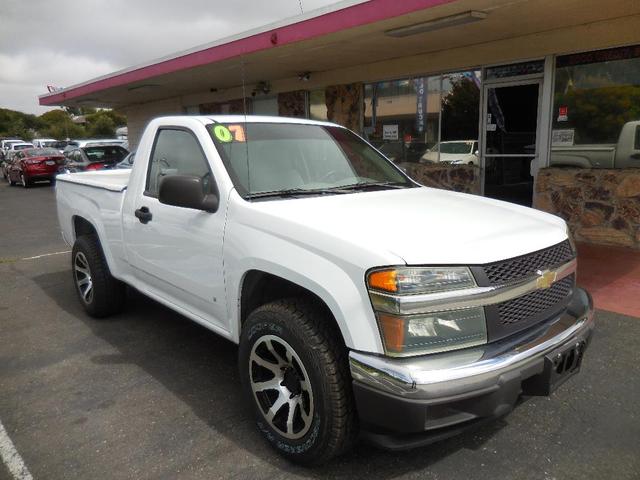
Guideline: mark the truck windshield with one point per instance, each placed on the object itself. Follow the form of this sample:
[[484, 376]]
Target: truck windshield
[[278, 159]]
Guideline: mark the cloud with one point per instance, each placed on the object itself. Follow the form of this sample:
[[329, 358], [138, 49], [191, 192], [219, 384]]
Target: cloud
[[64, 42]]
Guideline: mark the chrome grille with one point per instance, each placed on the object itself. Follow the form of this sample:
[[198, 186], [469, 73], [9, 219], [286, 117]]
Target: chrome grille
[[519, 267], [534, 303]]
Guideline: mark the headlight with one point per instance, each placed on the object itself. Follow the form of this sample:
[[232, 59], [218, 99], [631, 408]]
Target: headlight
[[417, 280], [423, 333], [433, 332]]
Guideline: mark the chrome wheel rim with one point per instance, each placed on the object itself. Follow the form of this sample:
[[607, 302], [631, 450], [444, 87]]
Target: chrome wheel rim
[[281, 387], [82, 275]]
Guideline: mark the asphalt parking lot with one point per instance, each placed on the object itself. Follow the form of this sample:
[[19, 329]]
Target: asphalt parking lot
[[149, 394]]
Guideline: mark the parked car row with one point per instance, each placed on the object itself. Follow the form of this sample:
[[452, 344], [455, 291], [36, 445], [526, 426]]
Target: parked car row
[[28, 165]]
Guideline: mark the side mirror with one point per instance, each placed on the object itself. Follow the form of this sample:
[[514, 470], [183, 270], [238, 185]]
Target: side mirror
[[186, 191]]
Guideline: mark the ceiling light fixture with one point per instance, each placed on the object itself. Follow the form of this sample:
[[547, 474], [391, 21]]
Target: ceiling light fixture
[[438, 23]]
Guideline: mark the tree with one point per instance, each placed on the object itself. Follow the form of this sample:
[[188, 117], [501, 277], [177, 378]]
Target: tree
[[460, 111], [598, 114], [103, 123], [101, 126], [18, 124], [58, 124]]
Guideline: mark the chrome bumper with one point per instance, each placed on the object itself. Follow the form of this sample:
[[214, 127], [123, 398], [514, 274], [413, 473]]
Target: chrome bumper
[[475, 370]]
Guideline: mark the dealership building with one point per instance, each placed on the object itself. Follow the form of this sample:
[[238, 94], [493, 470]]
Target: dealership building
[[531, 101]]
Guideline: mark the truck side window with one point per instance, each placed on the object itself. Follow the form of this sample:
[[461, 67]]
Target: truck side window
[[176, 152]]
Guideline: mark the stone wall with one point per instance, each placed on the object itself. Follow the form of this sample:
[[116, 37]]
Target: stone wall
[[459, 178], [602, 206], [292, 104], [344, 103]]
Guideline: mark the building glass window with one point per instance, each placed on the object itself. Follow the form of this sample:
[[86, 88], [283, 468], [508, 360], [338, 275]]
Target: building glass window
[[460, 116], [596, 111], [317, 105], [401, 117], [425, 120]]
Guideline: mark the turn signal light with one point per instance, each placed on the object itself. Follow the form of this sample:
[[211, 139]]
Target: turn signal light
[[392, 332], [384, 280]]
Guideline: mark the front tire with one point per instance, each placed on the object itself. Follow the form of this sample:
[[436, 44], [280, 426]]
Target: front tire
[[99, 292], [294, 370], [25, 183]]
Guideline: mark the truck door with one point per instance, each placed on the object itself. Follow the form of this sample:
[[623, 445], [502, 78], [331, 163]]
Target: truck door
[[175, 252]]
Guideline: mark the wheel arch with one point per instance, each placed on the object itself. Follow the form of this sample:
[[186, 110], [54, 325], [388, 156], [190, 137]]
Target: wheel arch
[[259, 287], [82, 226]]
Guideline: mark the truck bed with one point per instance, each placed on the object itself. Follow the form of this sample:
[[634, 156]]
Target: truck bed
[[585, 156], [113, 180]]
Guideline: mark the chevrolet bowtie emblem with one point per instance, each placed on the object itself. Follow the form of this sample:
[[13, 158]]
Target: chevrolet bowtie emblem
[[545, 279]]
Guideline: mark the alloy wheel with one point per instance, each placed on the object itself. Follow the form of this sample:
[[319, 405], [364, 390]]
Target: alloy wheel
[[82, 275], [281, 387]]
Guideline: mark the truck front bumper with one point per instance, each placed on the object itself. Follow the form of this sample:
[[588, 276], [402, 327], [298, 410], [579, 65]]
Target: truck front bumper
[[408, 402]]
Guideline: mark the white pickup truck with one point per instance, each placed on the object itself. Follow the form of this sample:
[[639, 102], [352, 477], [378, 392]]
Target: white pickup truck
[[362, 302]]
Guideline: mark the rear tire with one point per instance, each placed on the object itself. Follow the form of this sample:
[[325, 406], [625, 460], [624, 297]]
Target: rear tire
[[310, 377], [99, 292]]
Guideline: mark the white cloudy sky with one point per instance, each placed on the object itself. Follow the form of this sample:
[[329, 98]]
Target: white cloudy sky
[[63, 42]]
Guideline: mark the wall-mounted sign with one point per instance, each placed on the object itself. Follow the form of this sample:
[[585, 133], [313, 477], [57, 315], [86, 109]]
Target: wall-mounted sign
[[562, 137], [514, 70], [609, 55], [563, 113], [390, 132]]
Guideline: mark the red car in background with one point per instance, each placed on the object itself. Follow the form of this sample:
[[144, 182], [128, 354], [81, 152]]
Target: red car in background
[[33, 164]]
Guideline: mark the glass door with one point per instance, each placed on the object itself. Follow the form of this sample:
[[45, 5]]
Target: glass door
[[510, 126]]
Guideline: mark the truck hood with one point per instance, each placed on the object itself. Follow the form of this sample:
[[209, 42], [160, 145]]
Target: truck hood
[[418, 225]]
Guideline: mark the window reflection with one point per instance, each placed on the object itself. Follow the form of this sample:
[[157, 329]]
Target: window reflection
[[317, 105], [596, 115], [460, 118], [403, 118]]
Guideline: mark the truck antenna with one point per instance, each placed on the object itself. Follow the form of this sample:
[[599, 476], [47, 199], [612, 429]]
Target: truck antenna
[[246, 136]]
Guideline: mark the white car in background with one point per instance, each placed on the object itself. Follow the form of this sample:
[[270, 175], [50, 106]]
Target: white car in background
[[455, 152], [14, 147], [5, 144], [44, 142]]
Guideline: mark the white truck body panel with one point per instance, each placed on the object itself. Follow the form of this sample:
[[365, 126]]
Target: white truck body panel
[[195, 262], [624, 154]]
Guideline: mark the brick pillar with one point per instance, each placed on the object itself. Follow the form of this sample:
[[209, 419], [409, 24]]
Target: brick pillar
[[344, 104], [292, 104]]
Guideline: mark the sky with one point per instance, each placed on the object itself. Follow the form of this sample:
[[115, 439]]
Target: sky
[[64, 42]]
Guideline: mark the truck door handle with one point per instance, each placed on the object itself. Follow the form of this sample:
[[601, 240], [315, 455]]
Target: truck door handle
[[636, 156], [143, 214]]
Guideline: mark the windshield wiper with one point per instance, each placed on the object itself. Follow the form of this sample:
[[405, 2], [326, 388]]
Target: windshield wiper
[[373, 185], [295, 192]]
